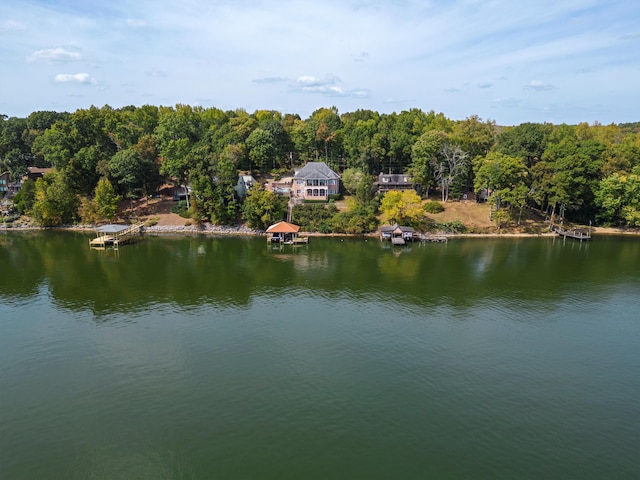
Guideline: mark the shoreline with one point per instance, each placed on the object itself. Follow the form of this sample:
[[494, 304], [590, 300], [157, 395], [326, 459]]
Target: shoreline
[[210, 229]]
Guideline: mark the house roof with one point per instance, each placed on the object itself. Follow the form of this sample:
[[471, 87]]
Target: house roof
[[394, 178], [395, 227], [283, 227], [37, 170], [316, 170]]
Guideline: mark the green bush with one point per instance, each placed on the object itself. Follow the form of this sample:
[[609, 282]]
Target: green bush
[[181, 209], [451, 227], [314, 217], [433, 207]]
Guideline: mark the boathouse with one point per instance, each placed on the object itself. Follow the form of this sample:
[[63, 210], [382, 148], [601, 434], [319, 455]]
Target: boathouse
[[285, 233], [397, 234]]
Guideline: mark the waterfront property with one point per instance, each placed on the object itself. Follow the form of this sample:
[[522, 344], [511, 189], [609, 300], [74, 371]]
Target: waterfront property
[[397, 234], [245, 182], [394, 181], [285, 233], [115, 235], [4, 183], [315, 181]]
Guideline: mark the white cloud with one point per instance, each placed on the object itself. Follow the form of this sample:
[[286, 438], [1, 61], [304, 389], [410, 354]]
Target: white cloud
[[155, 73], [11, 26], [54, 55], [136, 23], [329, 86], [539, 86], [268, 80], [250, 54], [361, 57], [83, 78]]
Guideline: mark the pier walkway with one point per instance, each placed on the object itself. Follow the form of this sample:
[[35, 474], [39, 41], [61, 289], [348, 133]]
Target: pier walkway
[[577, 233]]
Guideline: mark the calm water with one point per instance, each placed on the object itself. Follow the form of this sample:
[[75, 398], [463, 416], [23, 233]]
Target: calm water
[[221, 358]]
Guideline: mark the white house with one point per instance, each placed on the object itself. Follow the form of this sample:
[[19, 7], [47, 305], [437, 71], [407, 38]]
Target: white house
[[245, 182]]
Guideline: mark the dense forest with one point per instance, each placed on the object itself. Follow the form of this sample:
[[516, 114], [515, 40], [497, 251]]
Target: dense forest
[[582, 172]]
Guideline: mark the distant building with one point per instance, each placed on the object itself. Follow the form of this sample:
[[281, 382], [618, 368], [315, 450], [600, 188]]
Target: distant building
[[8, 188], [4, 183], [315, 181], [245, 182], [394, 181], [34, 173]]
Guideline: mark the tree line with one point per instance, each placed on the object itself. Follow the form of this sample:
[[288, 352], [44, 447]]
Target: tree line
[[582, 172]]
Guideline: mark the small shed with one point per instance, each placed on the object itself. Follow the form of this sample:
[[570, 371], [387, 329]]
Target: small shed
[[286, 233]]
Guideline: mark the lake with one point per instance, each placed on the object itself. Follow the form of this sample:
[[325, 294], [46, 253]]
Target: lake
[[201, 357]]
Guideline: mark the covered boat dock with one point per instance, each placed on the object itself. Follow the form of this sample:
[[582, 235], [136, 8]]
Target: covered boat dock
[[113, 235], [285, 233]]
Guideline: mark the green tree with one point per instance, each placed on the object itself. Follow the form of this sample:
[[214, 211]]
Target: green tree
[[106, 199], [351, 179], [261, 148], [505, 177], [26, 197], [618, 198], [262, 208], [527, 141], [358, 219], [366, 190], [424, 155], [55, 203]]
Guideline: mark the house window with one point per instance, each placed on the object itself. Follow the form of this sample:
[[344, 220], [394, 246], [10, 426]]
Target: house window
[[315, 192], [322, 192], [309, 192]]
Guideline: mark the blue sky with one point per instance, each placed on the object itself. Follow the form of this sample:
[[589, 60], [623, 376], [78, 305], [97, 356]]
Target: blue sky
[[507, 60]]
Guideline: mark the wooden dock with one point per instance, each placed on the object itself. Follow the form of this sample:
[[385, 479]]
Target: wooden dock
[[116, 235], [577, 233], [432, 238]]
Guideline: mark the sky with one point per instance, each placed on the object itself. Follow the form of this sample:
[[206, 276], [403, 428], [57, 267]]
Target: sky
[[512, 61]]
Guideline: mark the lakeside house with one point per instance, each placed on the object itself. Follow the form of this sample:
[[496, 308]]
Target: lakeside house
[[10, 188], [394, 181], [315, 181], [34, 173], [245, 182], [4, 183]]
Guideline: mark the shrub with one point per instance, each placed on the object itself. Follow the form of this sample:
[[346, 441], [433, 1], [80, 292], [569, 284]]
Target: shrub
[[451, 227], [433, 207], [181, 209]]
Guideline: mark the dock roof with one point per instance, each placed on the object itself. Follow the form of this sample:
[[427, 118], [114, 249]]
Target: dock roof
[[112, 228], [283, 227]]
